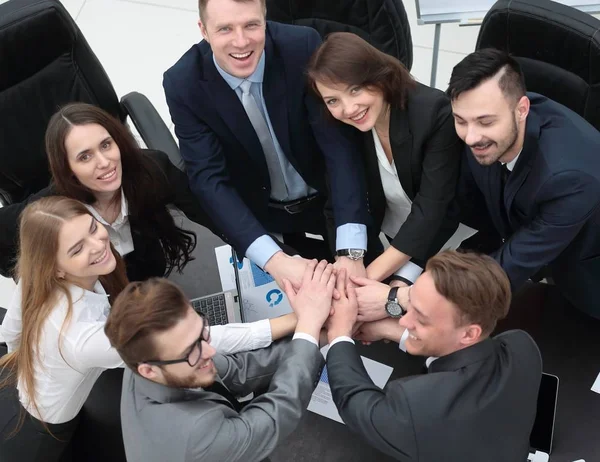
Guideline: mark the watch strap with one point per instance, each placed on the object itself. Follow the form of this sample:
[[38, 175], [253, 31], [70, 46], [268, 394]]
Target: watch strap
[[393, 295]]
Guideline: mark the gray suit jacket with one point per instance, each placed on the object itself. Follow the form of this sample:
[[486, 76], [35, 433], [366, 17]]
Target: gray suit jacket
[[163, 424]]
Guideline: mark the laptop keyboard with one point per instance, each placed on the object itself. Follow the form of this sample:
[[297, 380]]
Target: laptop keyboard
[[213, 307]]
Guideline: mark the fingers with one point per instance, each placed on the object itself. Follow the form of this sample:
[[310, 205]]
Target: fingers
[[289, 290], [336, 294], [309, 271], [362, 281], [351, 294], [331, 280], [319, 270], [341, 282], [327, 272]]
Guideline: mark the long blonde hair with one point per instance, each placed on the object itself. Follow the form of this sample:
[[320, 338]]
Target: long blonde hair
[[40, 225]]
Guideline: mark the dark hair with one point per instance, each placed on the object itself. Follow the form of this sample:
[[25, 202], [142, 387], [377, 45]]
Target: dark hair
[[141, 310], [483, 65], [202, 6], [346, 58], [144, 185], [476, 284]]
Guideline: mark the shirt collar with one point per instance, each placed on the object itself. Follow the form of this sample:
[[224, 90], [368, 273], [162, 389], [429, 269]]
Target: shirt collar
[[234, 82], [511, 165], [124, 213]]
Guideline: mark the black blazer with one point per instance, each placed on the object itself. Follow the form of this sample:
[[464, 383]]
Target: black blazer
[[427, 155], [476, 404], [550, 211], [223, 156], [148, 258]]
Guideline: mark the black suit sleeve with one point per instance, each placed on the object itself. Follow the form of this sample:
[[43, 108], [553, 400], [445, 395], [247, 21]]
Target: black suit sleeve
[[9, 230], [565, 203], [440, 169], [383, 418], [342, 157], [208, 175]]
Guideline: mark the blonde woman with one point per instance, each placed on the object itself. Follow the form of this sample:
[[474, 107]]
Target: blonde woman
[[68, 274]]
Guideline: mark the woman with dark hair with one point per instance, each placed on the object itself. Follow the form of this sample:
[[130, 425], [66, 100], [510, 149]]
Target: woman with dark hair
[[95, 159], [411, 151]]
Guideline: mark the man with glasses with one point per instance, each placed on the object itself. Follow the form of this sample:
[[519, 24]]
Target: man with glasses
[[177, 402]]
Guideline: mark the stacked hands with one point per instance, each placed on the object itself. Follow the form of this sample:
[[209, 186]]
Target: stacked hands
[[327, 297]]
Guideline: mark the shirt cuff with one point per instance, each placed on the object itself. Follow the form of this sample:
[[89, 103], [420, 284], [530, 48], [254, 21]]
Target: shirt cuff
[[342, 338], [303, 336], [410, 271], [262, 249], [351, 236], [261, 334], [402, 344]]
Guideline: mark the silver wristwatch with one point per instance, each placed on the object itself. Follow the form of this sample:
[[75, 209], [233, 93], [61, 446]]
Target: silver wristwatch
[[352, 254]]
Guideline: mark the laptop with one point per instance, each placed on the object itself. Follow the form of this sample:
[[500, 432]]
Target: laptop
[[542, 433], [222, 307]]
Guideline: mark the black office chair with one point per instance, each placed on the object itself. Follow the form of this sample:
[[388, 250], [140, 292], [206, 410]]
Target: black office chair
[[557, 46], [46, 63], [383, 23]]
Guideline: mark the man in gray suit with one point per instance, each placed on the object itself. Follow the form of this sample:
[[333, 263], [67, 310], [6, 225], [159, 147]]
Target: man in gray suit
[[177, 401], [477, 399]]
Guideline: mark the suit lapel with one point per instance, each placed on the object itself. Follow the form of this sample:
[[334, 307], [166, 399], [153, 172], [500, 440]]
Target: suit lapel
[[274, 92], [401, 140], [230, 108], [376, 197]]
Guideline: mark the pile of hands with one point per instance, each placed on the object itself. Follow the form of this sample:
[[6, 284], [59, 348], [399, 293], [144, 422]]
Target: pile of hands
[[343, 305]]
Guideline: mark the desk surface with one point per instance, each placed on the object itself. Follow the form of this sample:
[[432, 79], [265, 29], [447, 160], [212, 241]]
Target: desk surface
[[569, 342]]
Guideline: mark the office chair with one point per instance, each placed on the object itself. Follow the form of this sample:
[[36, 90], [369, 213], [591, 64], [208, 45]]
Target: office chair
[[382, 23], [558, 48], [47, 63]]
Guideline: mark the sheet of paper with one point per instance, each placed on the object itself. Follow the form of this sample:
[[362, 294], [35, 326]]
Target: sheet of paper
[[321, 401], [596, 385], [261, 296]]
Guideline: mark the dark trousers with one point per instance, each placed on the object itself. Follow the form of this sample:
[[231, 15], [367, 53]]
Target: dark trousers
[[33, 442]]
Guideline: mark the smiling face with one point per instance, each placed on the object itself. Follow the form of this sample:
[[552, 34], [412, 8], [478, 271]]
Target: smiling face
[[84, 251], [236, 33], [354, 105], [491, 124], [94, 158], [177, 342], [431, 322]]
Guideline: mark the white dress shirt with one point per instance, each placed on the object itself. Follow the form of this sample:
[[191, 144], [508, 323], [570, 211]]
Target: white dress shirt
[[119, 231], [63, 382], [398, 207]]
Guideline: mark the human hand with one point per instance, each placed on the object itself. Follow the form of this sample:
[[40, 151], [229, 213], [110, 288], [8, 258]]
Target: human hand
[[385, 329], [345, 310], [281, 266], [371, 296], [353, 267], [312, 301]]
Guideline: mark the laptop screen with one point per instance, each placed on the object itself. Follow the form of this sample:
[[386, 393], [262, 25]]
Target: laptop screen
[[543, 427]]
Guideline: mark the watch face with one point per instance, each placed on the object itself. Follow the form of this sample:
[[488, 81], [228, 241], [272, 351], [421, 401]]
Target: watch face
[[355, 254], [394, 309]]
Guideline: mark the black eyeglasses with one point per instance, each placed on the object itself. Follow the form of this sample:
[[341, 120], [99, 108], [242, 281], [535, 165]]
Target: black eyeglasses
[[193, 357]]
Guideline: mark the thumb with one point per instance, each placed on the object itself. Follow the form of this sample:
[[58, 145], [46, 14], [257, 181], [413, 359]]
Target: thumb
[[359, 281], [289, 290]]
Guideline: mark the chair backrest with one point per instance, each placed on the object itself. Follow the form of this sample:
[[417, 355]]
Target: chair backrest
[[383, 23], [45, 63], [557, 46]]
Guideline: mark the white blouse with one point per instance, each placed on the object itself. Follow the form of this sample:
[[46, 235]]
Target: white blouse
[[119, 231], [63, 382], [398, 207]]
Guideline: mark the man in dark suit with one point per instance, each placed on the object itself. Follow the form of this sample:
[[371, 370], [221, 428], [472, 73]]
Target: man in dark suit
[[256, 145], [177, 403], [532, 166], [476, 401]]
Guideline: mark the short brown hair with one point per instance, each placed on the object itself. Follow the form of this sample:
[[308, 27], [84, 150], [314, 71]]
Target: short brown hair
[[476, 284], [346, 58], [202, 7], [141, 310]]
